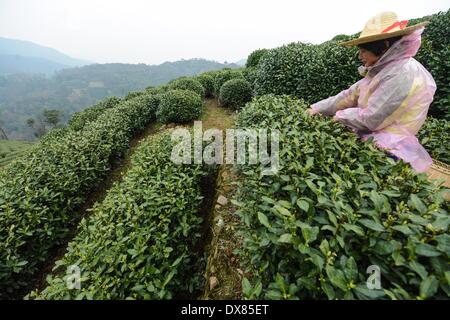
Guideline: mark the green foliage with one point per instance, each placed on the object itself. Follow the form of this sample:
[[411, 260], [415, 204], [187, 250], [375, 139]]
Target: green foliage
[[55, 134], [9, 150], [47, 120], [224, 76], [434, 54], [51, 117], [435, 137], [255, 57], [207, 81], [40, 193], [80, 119], [337, 206], [179, 106], [157, 90], [250, 75], [344, 37], [133, 94], [313, 72], [139, 242], [235, 93], [188, 84]]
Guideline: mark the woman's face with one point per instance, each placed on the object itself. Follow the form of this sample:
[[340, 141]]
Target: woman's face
[[367, 57]]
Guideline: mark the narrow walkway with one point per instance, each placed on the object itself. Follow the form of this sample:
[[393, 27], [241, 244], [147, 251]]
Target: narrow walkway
[[223, 273]]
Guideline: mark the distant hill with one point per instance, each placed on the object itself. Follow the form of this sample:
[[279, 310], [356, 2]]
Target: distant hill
[[241, 62], [10, 64], [28, 57], [121, 78], [23, 96]]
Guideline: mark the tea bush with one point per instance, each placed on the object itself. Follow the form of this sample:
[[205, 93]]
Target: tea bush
[[188, 84], [250, 75], [81, 118], [435, 137], [40, 193], [133, 94], [139, 242], [207, 82], [235, 93], [179, 106], [223, 76], [255, 57], [336, 207]]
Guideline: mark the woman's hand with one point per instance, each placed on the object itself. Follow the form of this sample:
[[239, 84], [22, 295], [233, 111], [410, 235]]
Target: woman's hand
[[312, 111]]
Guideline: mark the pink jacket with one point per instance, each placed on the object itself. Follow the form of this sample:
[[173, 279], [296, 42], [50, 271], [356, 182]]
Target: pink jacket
[[390, 103]]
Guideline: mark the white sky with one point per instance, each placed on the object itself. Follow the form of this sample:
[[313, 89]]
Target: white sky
[[139, 31]]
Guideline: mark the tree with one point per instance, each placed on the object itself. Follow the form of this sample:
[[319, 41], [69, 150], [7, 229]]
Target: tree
[[51, 117], [48, 117]]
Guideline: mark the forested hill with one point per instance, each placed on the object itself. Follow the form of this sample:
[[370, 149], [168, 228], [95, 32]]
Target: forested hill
[[24, 96]]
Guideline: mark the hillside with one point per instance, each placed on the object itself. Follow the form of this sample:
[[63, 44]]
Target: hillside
[[11, 64], [9, 150], [28, 57], [152, 197], [24, 96]]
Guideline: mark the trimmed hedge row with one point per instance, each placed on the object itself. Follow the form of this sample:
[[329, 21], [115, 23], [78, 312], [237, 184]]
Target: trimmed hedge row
[[38, 195], [313, 72], [235, 93], [434, 55], [187, 84], [255, 57], [139, 242], [435, 137], [80, 119], [337, 207], [207, 81], [223, 76], [250, 75], [179, 106]]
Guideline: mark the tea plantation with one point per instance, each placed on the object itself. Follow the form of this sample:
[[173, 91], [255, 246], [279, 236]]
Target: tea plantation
[[336, 208]]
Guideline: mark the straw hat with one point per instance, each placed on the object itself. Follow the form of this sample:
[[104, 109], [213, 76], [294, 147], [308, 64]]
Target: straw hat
[[383, 26]]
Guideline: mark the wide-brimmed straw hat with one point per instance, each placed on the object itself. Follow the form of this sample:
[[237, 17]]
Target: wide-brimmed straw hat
[[383, 26]]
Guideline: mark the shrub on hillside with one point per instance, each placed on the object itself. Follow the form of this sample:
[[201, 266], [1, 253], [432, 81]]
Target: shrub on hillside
[[235, 93], [224, 76], [81, 118], [133, 94], [207, 81], [141, 239], [179, 106], [313, 72], [435, 137], [250, 75], [434, 55], [188, 84], [337, 206], [157, 90], [40, 194], [255, 57]]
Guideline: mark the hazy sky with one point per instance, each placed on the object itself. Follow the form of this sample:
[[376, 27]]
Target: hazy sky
[[138, 31]]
